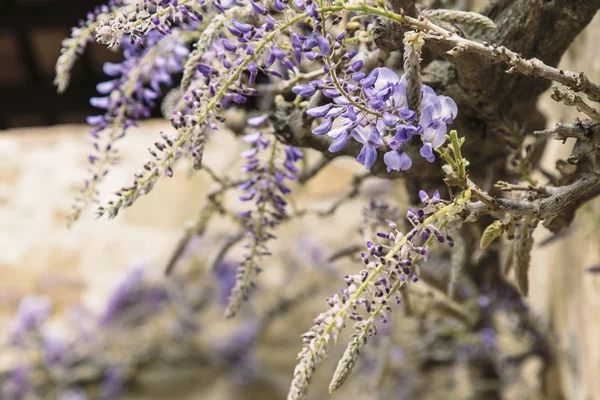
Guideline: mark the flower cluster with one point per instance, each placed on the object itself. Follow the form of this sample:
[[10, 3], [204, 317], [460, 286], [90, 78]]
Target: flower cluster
[[238, 352], [74, 45], [389, 266], [266, 187], [235, 43], [130, 95], [97, 350], [134, 299], [373, 110], [32, 313], [147, 16], [226, 54]]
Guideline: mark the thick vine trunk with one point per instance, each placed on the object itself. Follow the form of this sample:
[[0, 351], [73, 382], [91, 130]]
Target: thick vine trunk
[[488, 98]]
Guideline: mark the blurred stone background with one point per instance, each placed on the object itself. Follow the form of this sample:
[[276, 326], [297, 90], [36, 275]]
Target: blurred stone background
[[40, 169]]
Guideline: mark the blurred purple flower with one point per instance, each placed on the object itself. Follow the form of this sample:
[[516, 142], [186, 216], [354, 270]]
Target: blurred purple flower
[[225, 274], [113, 383], [32, 312]]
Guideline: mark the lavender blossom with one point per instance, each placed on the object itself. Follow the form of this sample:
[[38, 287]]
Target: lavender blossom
[[113, 383], [64, 362], [33, 311], [266, 186], [389, 266], [238, 352], [129, 96], [373, 107], [133, 300], [147, 17], [226, 277], [18, 384], [232, 49], [75, 45]]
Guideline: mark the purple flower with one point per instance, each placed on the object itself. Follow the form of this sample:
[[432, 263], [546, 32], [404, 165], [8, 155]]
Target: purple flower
[[134, 297], [225, 274], [113, 383], [124, 295], [370, 142], [384, 112], [397, 160], [238, 351], [55, 350], [304, 90], [437, 111], [427, 152], [319, 112], [131, 94], [340, 142], [403, 134], [323, 128], [33, 311], [258, 121], [18, 383], [266, 188]]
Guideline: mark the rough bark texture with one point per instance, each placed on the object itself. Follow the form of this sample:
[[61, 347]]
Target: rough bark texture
[[484, 92], [486, 95]]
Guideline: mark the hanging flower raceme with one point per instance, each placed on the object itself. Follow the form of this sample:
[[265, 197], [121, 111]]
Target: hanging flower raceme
[[265, 186], [130, 95], [228, 58], [368, 295]]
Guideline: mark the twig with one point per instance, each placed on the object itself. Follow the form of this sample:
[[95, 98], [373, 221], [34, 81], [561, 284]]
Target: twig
[[461, 17], [315, 169], [357, 180], [530, 67], [453, 179], [285, 304], [542, 208], [579, 130], [571, 99], [214, 176], [508, 187], [196, 229], [225, 247], [347, 251]]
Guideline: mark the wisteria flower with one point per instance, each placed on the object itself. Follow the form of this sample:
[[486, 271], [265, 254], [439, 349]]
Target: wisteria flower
[[374, 111], [437, 112], [370, 142], [397, 160]]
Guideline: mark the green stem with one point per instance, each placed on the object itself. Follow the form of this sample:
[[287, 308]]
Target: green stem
[[458, 154]]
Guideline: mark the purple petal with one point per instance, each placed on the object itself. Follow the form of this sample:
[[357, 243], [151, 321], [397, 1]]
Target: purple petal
[[370, 156], [319, 112], [257, 121], [397, 161], [339, 143], [323, 128], [390, 119], [427, 152]]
